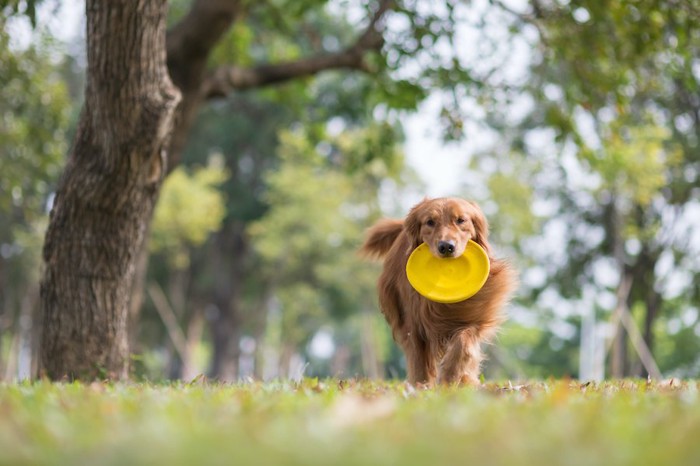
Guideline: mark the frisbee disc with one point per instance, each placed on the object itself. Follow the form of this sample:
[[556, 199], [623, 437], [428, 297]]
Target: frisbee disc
[[451, 279]]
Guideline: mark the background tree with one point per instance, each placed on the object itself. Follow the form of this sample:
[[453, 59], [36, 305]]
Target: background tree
[[244, 129], [619, 189], [191, 207], [33, 126], [309, 237]]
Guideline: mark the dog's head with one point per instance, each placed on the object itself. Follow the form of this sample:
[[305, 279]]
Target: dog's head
[[446, 225]]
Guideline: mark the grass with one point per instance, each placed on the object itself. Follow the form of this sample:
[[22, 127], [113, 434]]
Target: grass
[[351, 422]]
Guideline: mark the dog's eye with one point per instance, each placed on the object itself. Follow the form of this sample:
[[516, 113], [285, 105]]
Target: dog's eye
[[430, 222], [460, 220]]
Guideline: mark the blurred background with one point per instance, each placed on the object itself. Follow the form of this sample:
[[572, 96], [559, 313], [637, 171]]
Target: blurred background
[[573, 123]]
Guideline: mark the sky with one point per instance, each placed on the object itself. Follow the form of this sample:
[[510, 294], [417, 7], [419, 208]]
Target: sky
[[441, 166]]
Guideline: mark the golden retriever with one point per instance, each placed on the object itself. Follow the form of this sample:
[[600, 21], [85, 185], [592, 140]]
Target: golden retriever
[[441, 342]]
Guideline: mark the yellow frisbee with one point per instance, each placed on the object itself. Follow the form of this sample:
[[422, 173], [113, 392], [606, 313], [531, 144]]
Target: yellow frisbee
[[451, 279]]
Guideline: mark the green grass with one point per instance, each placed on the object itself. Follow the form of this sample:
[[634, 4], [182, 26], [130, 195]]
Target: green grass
[[350, 422]]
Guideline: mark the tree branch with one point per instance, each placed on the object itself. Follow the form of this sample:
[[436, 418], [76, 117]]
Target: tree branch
[[201, 28], [168, 317], [531, 19], [223, 80]]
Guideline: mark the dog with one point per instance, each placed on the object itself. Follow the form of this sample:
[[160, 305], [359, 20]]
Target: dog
[[441, 342]]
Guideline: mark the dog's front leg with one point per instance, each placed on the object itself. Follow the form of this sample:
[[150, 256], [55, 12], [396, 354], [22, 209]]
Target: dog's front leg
[[420, 363], [462, 359]]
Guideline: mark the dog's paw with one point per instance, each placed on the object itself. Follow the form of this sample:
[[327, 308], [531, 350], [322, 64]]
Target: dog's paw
[[459, 379]]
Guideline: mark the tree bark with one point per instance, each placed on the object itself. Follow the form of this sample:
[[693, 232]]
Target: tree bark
[[226, 336], [619, 354], [5, 320], [189, 44], [647, 261], [653, 303], [226, 324], [618, 359], [107, 192], [259, 330]]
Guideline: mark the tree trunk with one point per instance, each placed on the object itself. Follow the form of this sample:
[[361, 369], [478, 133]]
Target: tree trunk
[[195, 328], [618, 359], [645, 291], [371, 364], [107, 192], [5, 320], [619, 354], [228, 261], [652, 304], [652, 310], [284, 369], [27, 333], [138, 295], [259, 331], [226, 335]]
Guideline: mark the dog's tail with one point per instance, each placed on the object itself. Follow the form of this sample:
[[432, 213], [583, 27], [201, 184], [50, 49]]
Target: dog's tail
[[380, 237]]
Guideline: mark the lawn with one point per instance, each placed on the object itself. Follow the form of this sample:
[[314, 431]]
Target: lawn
[[351, 422]]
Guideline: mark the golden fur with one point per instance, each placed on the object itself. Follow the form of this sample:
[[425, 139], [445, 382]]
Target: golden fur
[[442, 342]]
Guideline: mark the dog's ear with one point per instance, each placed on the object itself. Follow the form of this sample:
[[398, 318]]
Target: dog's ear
[[481, 228], [412, 224]]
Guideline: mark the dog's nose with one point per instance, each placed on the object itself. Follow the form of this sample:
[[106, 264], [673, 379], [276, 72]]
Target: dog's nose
[[446, 248]]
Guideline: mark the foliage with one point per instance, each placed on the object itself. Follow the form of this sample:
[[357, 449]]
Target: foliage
[[20, 7], [190, 208], [602, 127], [32, 130], [350, 422], [245, 127], [320, 200], [34, 120]]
